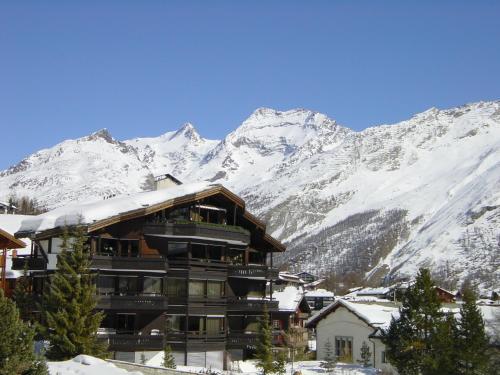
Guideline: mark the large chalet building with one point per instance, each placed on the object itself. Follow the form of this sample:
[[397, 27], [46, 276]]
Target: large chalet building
[[186, 257]]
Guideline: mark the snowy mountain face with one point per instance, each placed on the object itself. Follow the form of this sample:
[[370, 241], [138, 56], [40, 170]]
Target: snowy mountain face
[[383, 201]]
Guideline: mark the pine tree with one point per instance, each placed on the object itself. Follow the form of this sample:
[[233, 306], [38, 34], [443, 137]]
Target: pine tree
[[410, 339], [366, 355], [168, 358], [16, 342], [330, 362], [264, 353], [472, 340], [22, 295], [444, 355], [69, 319]]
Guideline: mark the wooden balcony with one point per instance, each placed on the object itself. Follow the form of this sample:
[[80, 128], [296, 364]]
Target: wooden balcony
[[132, 303], [33, 263], [198, 264], [250, 305], [241, 339], [198, 229], [129, 263], [197, 337], [132, 342], [253, 271]]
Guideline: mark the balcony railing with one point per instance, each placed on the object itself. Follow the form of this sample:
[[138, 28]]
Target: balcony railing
[[129, 263], [209, 264], [241, 339], [33, 263], [132, 303], [250, 305], [251, 270], [132, 342], [197, 229], [196, 336]]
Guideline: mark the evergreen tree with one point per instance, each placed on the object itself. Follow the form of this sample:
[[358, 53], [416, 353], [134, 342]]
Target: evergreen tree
[[168, 358], [16, 342], [366, 355], [472, 340], [410, 339], [264, 353], [69, 319], [444, 354], [330, 361], [23, 297]]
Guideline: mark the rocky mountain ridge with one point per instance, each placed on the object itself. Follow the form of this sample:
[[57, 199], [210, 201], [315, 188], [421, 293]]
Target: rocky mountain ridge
[[371, 204]]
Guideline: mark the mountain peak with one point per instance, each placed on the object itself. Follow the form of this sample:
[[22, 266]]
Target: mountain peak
[[103, 134], [187, 131]]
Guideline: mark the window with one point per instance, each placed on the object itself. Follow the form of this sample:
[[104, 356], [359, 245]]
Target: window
[[125, 323], [176, 287], [177, 249], [215, 326], [127, 285], [198, 251], [383, 359], [152, 286], [276, 324], [180, 214], [106, 285], [197, 288], [109, 247], [177, 323], [215, 288], [196, 324], [214, 252], [343, 348]]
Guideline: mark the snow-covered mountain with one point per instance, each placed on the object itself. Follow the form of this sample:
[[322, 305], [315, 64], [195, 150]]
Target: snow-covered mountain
[[386, 200]]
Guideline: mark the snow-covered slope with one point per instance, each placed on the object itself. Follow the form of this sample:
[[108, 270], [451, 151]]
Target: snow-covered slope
[[389, 199]]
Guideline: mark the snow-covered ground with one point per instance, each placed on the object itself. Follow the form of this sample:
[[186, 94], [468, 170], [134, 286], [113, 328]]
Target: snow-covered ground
[[87, 365]]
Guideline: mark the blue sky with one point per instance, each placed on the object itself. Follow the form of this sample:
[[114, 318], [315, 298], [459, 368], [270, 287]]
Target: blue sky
[[142, 68]]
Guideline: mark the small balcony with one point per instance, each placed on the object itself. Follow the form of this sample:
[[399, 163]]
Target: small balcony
[[197, 337], [132, 342], [34, 263], [132, 303], [242, 339], [253, 271], [198, 264], [235, 304], [129, 263], [199, 229]]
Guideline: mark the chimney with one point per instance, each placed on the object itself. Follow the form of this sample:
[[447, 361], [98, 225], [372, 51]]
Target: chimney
[[166, 181]]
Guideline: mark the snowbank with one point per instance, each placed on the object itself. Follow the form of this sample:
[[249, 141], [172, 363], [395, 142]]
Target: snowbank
[[86, 365]]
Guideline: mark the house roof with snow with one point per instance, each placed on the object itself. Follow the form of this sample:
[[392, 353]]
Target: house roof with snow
[[11, 224], [287, 276], [290, 298], [373, 314], [319, 293], [99, 214]]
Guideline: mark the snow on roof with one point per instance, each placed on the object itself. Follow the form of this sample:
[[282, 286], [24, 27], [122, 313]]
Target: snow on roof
[[319, 293], [87, 365], [314, 283], [11, 224], [89, 212], [286, 276], [376, 315], [373, 291], [289, 298]]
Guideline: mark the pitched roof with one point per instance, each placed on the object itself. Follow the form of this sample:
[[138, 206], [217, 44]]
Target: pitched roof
[[8, 241], [102, 213], [374, 315], [289, 298]]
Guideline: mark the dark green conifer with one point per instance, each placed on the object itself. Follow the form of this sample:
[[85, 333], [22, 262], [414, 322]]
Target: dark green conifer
[[69, 318], [366, 355], [23, 297], [410, 339], [168, 358], [472, 340], [16, 342], [330, 361], [264, 353]]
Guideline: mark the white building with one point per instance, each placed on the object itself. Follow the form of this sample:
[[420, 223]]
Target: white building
[[347, 325]]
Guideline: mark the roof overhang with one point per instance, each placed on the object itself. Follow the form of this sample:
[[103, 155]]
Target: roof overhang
[[8, 241]]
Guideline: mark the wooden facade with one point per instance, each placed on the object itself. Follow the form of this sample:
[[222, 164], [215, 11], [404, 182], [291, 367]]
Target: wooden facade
[[195, 268]]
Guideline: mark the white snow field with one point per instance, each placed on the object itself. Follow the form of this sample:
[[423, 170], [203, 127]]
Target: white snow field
[[87, 365]]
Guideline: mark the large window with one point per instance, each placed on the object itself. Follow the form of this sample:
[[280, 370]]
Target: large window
[[177, 249], [127, 285], [176, 287], [106, 285], [197, 288], [196, 324], [215, 325], [215, 288], [177, 323], [343, 348], [152, 286]]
